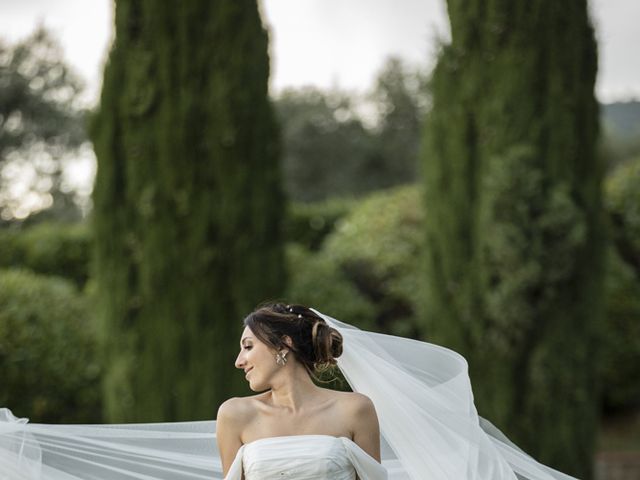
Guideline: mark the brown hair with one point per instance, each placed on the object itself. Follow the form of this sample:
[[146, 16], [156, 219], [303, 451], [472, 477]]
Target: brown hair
[[314, 343]]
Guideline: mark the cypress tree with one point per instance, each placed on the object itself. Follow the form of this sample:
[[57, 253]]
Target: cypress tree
[[514, 223], [187, 203]]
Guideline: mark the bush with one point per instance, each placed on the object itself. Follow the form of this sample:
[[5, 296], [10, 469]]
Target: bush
[[621, 356], [316, 281], [310, 223], [48, 360], [49, 248], [368, 270], [623, 205]]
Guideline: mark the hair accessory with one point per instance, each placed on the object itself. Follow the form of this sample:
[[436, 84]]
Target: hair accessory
[[299, 316]]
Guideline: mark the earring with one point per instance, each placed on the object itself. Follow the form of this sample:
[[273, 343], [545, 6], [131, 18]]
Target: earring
[[281, 358]]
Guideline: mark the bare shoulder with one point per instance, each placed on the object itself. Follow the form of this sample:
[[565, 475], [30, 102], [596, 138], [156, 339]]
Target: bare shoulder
[[234, 407], [233, 417], [363, 420], [357, 404], [239, 410]]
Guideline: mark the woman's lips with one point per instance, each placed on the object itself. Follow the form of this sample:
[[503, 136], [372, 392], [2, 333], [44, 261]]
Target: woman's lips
[[247, 372]]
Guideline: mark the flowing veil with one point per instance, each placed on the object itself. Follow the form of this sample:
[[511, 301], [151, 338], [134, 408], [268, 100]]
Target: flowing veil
[[422, 394]]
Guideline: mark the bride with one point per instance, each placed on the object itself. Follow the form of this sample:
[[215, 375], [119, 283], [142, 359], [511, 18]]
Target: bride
[[295, 429], [419, 392]]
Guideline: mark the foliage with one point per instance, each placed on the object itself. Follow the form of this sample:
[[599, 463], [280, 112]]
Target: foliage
[[48, 355], [515, 227], [326, 145], [48, 248], [622, 327], [308, 224], [40, 121], [621, 336], [188, 206], [623, 205], [318, 281], [401, 98], [368, 269], [332, 148]]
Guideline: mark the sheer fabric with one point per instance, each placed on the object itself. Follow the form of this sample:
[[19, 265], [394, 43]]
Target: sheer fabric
[[421, 392]]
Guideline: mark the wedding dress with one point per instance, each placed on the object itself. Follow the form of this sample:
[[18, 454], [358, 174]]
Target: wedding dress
[[304, 457], [422, 394]]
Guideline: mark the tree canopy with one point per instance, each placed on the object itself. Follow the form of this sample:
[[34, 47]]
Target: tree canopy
[[41, 121]]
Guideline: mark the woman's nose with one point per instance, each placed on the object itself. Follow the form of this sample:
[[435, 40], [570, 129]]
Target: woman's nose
[[239, 361]]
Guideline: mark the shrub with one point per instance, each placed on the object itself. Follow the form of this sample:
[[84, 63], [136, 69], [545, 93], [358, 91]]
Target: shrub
[[310, 223], [621, 355], [49, 248], [317, 281], [48, 360], [622, 198], [368, 270]]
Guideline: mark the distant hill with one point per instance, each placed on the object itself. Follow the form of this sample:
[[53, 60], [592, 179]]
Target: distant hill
[[621, 119]]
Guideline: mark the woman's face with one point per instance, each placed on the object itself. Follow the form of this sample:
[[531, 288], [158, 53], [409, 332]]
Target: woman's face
[[257, 360]]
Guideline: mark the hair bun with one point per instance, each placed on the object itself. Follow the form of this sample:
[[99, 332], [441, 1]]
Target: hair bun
[[327, 344]]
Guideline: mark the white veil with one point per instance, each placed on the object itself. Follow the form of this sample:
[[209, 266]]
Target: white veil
[[422, 394]]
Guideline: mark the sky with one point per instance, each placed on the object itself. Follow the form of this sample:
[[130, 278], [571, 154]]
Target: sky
[[327, 43]]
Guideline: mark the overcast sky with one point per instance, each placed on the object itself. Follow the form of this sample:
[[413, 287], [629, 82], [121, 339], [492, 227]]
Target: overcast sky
[[328, 42]]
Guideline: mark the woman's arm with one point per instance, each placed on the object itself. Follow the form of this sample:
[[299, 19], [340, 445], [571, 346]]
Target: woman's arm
[[229, 425], [366, 430]]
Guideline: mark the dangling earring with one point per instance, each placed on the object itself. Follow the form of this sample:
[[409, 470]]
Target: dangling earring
[[281, 358]]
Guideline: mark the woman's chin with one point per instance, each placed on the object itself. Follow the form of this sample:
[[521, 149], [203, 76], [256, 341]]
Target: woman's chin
[[256, 387]]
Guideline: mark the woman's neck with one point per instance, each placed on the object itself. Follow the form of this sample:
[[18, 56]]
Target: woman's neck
[[293, 390]]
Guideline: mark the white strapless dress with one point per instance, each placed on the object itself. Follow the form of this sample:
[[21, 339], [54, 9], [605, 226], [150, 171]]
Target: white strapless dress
[[304, 457]]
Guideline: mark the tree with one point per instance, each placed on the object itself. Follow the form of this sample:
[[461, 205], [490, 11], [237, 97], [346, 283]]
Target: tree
[[515, 224], [327, 148], [40, 122], [188, 204], [332, 149], [399, 96]]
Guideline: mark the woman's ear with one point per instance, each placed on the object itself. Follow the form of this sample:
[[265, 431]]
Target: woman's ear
[[287, 340]]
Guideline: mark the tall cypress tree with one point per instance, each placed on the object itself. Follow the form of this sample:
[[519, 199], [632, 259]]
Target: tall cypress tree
[[187, 203], [514, 224]]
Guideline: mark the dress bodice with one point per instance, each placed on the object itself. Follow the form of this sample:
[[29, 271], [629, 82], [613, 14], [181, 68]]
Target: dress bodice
[[304, 457]]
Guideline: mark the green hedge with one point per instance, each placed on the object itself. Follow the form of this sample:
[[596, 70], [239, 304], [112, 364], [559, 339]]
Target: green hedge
[[48, 355], [368, 270], [309, 224], [621, 356], [623, 205], [49, 248]]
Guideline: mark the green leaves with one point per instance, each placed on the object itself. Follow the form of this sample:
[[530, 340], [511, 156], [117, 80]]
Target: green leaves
[[41, 122], [48, 350]]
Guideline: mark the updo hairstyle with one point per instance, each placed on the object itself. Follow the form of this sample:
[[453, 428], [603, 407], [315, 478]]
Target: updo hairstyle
[[314, 343]]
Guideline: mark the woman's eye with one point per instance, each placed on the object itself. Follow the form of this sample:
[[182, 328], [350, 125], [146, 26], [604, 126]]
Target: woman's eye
[[248, 347]]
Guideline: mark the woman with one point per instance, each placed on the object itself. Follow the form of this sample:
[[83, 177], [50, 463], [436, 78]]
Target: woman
[[282, 348]]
